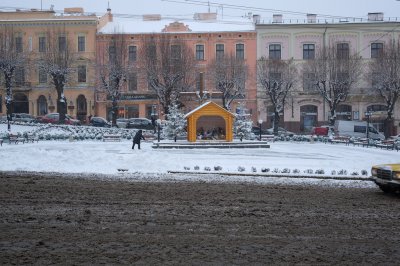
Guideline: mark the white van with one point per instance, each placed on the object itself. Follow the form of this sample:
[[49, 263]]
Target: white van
[[357, 129]]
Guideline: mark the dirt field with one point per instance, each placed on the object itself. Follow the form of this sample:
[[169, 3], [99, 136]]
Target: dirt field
[[62, 220]]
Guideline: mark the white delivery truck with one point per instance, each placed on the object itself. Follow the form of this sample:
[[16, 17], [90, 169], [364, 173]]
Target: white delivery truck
[[357, 129]]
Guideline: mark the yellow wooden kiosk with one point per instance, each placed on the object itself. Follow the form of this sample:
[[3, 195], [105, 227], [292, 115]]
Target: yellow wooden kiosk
[[210, 121]]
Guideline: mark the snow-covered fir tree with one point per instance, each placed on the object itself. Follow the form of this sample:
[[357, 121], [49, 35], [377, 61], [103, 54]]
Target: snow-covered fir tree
[[176, 122], [243, 123]]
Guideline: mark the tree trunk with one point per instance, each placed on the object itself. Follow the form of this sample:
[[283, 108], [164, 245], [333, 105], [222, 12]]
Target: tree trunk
[[114, 111], [389, 127], [61, 106], [276, 123], [332, 117], [8, 101]]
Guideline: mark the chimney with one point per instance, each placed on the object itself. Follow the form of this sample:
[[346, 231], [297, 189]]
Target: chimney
[[256, 19], [311, 18], [277, 18], [377, 16], [151, 17], [73, 10], [205, 16]]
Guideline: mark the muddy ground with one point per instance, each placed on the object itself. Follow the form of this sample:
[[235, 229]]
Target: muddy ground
[[74, 220]]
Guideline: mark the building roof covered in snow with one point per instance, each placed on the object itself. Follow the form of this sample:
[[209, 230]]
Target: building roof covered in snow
[[155, 23]]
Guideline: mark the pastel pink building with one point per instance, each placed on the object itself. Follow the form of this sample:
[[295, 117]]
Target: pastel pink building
[[206, 35]]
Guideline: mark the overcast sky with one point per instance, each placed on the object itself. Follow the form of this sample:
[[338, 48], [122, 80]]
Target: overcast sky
[[229, 8]]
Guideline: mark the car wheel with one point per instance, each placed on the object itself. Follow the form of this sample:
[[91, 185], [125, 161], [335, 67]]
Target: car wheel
[[386, 189]]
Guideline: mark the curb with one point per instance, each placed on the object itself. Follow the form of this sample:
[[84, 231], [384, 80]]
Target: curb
[[350, 178]]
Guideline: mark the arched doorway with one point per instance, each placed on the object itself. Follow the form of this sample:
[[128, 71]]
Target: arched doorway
[[343, 112], [210, 127], [42, 105], [20, 103], [308, 117], [81, 110]]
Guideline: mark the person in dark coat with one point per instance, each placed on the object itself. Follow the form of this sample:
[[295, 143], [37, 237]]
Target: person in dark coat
[[136, 139]]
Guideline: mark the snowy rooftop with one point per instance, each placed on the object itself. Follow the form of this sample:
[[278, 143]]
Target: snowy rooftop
[[137, 24]]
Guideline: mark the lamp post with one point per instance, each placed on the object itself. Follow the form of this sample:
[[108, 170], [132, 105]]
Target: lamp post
[[158, 129], [368, 114], [260, 123]]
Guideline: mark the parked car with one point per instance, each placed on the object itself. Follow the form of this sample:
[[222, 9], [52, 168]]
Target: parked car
[[140, 123], [281, 131], [357, 129], [98, 121], [53, 118], [396, 137], [387, 177], [122, 122], [20, 117]]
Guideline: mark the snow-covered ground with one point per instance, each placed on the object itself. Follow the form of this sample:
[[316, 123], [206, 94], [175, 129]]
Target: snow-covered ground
[[97, 157]]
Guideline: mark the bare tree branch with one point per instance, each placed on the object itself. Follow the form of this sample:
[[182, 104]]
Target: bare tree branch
[[335, 75], [170, 67], [277, 78], [229, 75]]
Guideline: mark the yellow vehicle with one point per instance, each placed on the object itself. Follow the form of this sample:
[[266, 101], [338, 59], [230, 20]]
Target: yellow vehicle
[[387, 177]]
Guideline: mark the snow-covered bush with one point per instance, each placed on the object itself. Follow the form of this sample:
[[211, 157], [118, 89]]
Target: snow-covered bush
[[319, 172], [296, 171], [241, 169], [186, 168], [308, 171], [342, 172], [253, 169], [196, 167], [364, 172], [265, 170], [285, 171], [217, 168], [207, 168]]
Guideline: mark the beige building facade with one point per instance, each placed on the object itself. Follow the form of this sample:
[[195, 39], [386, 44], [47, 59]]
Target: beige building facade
[[34, 92], [306, 107]]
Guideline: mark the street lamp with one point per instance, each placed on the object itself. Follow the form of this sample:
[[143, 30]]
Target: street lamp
[[260, 123], [368, 114]]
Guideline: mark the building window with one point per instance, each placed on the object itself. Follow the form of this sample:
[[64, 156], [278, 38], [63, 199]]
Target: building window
[[42, 44], [199, 52], [275, 51], [132, 82], [132, 53], [175, 52], [81, 73], [42, 105], [18, 45], [219, 51], [81, 43], [19, 76], [309, 82], [62, 43], [112, 53], [240, 51], [308, 51], [275, 77], [132, 111], [375, 80], [376, 49], [42, 76], [342, 50]]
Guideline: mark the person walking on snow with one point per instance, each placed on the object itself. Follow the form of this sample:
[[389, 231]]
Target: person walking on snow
[[136, 139]]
